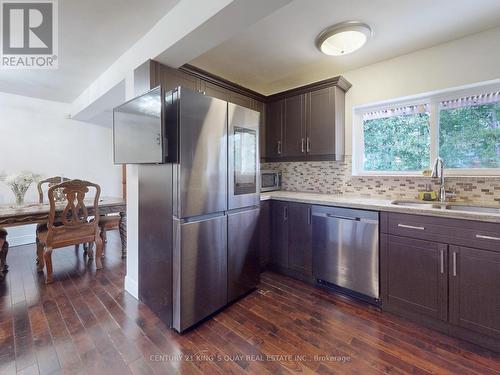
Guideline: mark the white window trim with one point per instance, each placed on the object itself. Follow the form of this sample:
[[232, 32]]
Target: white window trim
[[432, 99]]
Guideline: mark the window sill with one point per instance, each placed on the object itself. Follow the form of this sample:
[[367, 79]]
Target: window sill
[[447, 174]]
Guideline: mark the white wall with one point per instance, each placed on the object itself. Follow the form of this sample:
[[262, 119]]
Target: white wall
[[37, 135], [463, 61]]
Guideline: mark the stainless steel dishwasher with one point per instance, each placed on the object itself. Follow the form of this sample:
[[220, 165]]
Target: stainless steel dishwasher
[[346, 250]]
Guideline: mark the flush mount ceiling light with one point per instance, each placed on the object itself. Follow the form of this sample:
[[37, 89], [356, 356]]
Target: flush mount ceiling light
[[343, 38]]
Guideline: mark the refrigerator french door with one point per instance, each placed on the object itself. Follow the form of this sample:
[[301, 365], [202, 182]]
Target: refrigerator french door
[[200, 205], [243, 156], [200, 176], [243, 200]]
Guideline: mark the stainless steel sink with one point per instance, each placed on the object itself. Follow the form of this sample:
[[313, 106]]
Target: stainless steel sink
[[468, 208], [448, 206], [420, 204]]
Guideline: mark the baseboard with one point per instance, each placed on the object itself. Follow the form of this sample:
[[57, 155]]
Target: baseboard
[[22, 235], [132, 287]]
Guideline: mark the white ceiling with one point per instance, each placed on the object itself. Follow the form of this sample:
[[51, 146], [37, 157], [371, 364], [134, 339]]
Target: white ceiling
[[92, 35], [278, 52]]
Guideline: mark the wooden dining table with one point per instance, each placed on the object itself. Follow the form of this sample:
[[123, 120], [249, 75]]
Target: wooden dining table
[[35, 213]]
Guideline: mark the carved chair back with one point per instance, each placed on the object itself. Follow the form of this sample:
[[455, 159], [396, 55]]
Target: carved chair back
[[3, 238], [51, 182], [73, 226]]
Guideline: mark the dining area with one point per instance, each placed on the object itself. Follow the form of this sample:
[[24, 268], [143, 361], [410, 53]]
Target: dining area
[[68, 213]]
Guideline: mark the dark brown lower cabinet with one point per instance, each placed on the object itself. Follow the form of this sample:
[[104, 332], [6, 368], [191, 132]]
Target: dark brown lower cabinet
[[265, 234], [475, 290], [443, 273], [416, 276], [279, 234], [300, 238], [291, 233]]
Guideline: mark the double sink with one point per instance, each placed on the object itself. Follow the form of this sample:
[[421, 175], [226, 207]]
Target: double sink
[[447, 206]]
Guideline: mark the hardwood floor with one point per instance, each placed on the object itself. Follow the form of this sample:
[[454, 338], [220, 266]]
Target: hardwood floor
[[85, 323]]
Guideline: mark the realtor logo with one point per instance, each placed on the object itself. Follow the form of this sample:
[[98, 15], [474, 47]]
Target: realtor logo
[[29, 34]]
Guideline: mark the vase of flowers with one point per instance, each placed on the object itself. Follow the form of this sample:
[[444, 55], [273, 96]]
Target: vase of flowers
[[20, 183]]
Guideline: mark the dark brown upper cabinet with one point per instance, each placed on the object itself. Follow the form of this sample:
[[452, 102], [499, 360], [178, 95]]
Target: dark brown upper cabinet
[[325, 123], [305, 123], [310, 120], [215, 91], [261, 107], [171, 78], [295, 129], [241, 100], [274, 130]]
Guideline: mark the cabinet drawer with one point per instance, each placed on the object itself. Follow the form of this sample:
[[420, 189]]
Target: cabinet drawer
[[469, 233]]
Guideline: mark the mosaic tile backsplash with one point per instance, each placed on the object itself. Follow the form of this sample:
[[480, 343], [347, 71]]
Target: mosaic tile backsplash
[[334, 177]]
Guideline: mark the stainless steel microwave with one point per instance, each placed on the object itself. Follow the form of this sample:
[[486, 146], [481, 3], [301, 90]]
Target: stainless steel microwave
[[270, 180]]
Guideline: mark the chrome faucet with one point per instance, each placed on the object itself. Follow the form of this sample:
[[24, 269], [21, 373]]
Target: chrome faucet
[[438, 172]]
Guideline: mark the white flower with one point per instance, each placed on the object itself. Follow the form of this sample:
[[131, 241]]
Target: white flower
[[21, 182], [22, 179]]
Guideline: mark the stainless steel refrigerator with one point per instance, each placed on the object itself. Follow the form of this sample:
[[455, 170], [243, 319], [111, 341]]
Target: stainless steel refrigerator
[[198, 206]]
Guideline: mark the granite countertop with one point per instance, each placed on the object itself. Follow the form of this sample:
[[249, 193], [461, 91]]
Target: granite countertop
[[375, 204]]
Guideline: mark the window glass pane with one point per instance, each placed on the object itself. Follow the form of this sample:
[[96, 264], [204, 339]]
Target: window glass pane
[[397, 143], [469, 136]]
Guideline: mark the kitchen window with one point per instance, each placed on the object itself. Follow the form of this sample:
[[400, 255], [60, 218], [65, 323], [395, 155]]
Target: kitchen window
[[469, 132], [403, 138]]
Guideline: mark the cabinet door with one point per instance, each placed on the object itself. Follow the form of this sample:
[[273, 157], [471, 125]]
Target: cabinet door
[[414, 276], [240, 99], [294, 128], [474, 279], [265, 234], [300, 238], [274, 129], [321, 122], [215, 91], [279, 248], [172, 78], [261, 107]]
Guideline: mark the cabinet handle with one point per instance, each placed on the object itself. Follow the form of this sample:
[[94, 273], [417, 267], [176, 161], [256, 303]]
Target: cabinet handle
[[410, 227], [454, 263], [285, 213], [309, 214], [442, 260], [308, 145], [279, 147], [302, 144], [487, 237]]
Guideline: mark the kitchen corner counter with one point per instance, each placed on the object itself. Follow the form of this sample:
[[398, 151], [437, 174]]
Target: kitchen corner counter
[[265, 196], [374, 204]]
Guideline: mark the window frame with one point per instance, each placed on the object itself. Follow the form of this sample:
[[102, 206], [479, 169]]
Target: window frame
[[432, 99]]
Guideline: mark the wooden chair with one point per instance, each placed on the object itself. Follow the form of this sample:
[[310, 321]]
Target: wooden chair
[[50, 181], [73, 226], [105, 222], [4, 249]]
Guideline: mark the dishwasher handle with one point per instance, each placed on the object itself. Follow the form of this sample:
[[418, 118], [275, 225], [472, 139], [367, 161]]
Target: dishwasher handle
[[332, 216]]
